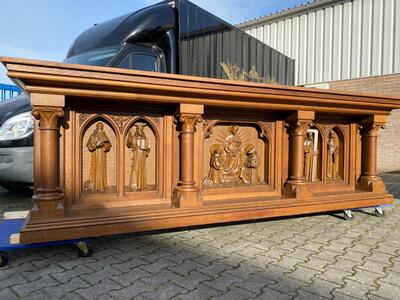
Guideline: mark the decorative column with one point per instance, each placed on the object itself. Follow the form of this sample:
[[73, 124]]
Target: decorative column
[[369, 180], [297, 185], [48, 198], [186, 194]]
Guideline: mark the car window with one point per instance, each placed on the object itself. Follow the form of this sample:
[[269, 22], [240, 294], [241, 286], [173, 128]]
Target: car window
[[139, 61], [145, 62], [126, 63], [96, 57]]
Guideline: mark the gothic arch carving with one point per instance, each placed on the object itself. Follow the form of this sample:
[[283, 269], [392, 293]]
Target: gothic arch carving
[[141, 146], [335, 149], [314, 153], [99, 142]]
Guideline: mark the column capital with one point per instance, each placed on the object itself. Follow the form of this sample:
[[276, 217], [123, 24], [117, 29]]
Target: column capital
[[188, 115], [188, 122], [300, 121], [48, 116]]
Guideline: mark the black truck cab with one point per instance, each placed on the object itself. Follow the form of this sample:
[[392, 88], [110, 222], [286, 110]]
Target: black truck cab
[[172, 36], [144, 40]]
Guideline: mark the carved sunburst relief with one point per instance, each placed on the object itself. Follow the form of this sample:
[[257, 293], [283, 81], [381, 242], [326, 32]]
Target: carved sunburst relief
[[234, 155]]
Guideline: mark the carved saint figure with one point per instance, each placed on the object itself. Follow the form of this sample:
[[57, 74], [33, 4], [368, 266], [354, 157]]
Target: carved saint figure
[[234, 154], [249, 172], [217, 161], [309, 157], [98, 144], [139, 144], [333, 156]]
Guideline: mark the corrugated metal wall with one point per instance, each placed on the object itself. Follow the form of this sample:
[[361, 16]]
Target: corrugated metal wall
[[206, 41], [349, 39]]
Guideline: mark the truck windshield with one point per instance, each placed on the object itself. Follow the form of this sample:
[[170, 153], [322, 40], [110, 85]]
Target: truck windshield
[[99, 57]]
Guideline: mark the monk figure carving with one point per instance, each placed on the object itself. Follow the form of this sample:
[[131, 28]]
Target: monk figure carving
[[217, 161], [99, 145], [139, 144], [309, 157], [333, 156], [249, 173]]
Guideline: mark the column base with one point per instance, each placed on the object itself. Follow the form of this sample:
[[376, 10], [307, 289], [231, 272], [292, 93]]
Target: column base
[[47, 206], [183, 197], [371, 184], [295, 190]]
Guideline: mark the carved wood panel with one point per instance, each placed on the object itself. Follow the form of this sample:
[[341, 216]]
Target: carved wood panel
[[99, 157], [140, 157], [119, 154], [332, 152], [235, 154]]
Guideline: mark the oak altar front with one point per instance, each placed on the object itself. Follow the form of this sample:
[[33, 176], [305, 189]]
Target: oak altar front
[[120, 151]]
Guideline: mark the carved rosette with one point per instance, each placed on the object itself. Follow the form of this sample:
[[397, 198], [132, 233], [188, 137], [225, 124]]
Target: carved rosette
[[83, 117], [120, 121]]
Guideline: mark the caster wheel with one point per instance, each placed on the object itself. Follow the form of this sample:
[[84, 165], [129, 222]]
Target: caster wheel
[[348, 215], [3, 259], [379, 212], [84, 250]]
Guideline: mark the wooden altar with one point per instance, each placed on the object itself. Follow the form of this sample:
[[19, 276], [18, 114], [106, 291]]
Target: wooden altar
[[120, 151]]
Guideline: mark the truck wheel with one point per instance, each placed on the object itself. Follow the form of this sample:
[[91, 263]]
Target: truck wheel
[[3, 259]]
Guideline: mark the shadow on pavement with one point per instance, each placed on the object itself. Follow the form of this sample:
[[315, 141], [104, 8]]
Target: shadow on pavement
[[10, 201]]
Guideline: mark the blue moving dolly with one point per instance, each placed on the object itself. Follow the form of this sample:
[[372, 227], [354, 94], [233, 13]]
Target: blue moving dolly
[[10, 228]]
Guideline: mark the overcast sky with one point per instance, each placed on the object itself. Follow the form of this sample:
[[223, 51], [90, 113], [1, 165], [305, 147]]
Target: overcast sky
[[44, 29]]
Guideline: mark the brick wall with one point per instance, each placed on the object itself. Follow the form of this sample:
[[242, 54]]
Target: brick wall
[[389, 138]]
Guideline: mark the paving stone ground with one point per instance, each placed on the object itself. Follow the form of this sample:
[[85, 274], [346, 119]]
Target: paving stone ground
[[309, 257]]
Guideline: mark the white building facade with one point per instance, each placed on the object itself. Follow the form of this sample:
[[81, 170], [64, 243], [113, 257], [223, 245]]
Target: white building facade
[[335, 40], [351, 45]]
